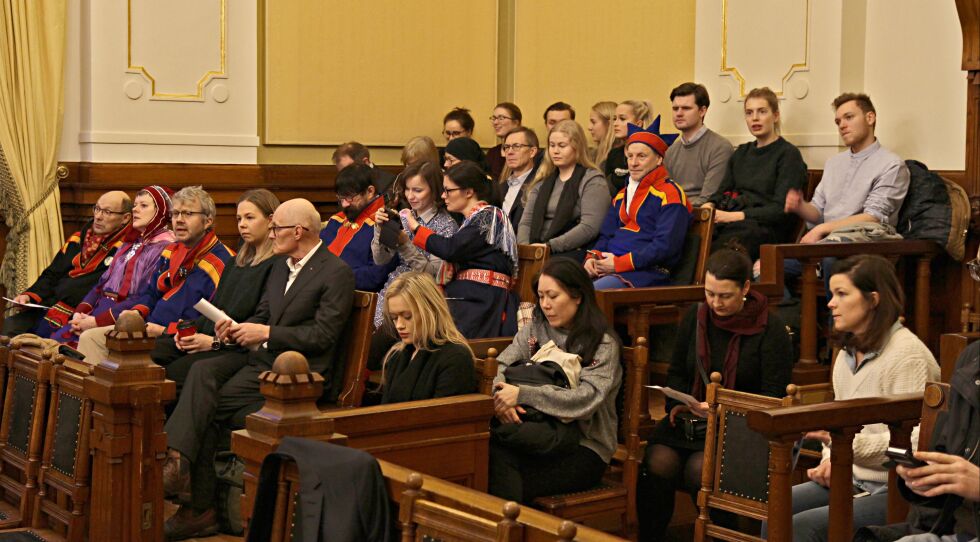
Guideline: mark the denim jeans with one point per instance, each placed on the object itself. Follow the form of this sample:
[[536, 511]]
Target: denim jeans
[[929, 537], [811, 509], [609, 282]]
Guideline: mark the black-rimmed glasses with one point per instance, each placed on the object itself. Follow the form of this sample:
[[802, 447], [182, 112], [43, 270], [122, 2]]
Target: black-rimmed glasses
[[185, 214], [276, 229], [495, 118], [96, 210], [449, 190], [515, 146]]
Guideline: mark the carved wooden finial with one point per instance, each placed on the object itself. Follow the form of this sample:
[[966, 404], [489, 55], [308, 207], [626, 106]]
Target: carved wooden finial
[[511, 510], [291, 363], [130, 322], [567, 531], [414, 481], [791, 390], [716, 377]]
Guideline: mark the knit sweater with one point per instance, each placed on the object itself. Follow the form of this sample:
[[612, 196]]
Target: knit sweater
[[700, 166], [904, 365], [592, 403], [590, 209], [759, 178]]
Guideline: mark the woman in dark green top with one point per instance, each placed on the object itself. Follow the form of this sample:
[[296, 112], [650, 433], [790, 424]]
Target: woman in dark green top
[[749, 204], [431, 358], [239, 289]]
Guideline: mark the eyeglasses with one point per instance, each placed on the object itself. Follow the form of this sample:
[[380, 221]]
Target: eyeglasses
[[96, 210], [186, 214], [453, 133], [348, 198], [495, 118], [450, 190], [515, 146], [277, 229]]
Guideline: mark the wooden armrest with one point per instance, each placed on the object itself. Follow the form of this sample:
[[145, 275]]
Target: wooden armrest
[[780, 423]]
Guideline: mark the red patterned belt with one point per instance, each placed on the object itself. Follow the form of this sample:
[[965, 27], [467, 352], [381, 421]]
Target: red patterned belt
[[484, 276]]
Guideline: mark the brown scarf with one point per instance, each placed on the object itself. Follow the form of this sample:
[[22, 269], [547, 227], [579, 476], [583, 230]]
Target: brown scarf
[[751, 320]]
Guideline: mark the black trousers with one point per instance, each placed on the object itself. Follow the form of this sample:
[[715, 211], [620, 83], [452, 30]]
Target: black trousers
[[21, 322], [521, 477], [218, 393]]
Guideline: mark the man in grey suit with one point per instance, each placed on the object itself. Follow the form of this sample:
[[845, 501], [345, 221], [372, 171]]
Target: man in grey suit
[[304, 308]]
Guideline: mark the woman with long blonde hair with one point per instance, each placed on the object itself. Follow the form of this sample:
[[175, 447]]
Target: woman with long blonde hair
[[568, 198], [432, 358], [636, 112], [600, 128]]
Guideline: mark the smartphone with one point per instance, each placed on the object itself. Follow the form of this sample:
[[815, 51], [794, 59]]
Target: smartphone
[[390, 230], [70, 352], [597, 254], [904, 457]]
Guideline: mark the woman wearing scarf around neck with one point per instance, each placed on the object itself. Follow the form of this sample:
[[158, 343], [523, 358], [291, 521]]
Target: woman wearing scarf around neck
[[479, 260], [133, 269], [734, 334]]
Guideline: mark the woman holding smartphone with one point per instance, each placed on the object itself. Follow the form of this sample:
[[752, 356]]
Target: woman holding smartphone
[[879, 357], [419, 186]]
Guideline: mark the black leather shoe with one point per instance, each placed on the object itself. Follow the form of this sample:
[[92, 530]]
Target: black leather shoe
[[186, 523], [176, 477]]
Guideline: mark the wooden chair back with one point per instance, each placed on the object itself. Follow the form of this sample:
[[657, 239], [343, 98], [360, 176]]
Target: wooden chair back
[[697, 247], [360, 328], [617, 494], [736, 459], [951, 345], [423, 520], [486, 370], [22, 427], [530, 262], [61, 506]]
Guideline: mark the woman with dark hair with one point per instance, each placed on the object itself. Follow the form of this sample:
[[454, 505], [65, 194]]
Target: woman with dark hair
[[419, 186], [733, 333], [464, 148], [506, 118], [750, 202], [479, 260], [878, 357], [238, 293], [458, 123], [568, 321]]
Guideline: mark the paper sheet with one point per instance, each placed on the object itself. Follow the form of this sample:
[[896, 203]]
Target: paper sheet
[[678, 396], [211, 312], [25, 305]]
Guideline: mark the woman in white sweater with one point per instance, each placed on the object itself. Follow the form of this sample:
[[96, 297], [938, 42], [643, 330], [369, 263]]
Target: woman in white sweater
[[879, 357]]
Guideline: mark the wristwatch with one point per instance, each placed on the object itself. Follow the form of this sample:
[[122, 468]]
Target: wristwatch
[[215, 344]]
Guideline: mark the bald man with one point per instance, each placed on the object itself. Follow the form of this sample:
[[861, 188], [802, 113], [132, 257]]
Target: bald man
[[306, 302], [76, 268]]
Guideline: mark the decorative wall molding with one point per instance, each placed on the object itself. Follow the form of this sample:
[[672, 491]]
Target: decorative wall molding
[[162, 138], [736, 74], [198, 94]]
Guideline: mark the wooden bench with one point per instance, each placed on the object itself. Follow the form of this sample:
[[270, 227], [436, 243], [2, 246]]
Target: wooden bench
[[446, 437]]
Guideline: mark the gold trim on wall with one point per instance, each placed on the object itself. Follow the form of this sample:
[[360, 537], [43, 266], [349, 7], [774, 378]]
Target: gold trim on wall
[[201, 83], [733, 71]]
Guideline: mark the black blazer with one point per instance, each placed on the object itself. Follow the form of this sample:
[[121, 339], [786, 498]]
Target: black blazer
[[310, 317], [442, 372], [342, 496]]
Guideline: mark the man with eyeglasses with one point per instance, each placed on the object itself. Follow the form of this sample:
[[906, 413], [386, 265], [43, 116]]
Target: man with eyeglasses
[[187, 271], [76, 268], [304, 308], [353, 152], [348, 233], [521, 157]]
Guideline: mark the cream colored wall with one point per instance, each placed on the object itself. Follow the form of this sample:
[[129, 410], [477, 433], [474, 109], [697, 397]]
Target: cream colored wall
[[473, 54], [904, 53], [145, 82]]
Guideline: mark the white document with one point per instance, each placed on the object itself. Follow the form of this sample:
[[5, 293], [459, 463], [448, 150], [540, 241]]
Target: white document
[[211, 312], [25, 305], [688, 400]]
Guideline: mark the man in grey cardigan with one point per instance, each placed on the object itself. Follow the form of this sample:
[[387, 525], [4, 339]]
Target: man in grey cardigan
[[698, 159]]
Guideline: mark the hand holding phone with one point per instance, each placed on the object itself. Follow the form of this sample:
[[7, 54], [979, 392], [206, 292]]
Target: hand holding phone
[[903, 457]]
